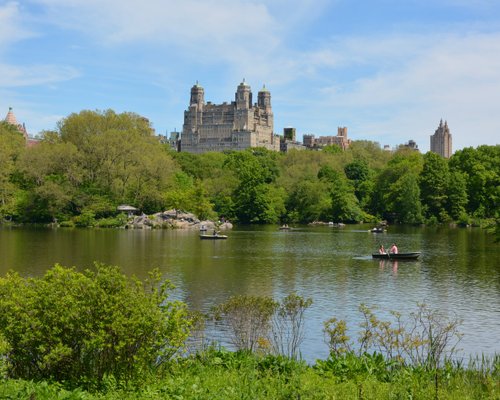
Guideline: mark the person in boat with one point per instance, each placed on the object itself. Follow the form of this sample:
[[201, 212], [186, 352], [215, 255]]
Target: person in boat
[[394, 249], [381, 249]]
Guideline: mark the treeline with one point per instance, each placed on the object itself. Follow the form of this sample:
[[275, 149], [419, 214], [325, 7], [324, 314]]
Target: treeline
[[95, 161]]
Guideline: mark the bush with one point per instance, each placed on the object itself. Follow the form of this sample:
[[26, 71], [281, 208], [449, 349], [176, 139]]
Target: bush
[[83, 326], [112, 222], [248, 319]]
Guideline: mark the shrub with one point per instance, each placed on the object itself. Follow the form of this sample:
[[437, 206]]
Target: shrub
[[288, 325], [83, 326], [249, 320]]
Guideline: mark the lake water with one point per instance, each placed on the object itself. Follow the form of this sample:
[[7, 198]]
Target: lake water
[[458, 273]]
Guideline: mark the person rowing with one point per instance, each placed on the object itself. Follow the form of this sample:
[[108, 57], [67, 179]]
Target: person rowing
[[394, 249]]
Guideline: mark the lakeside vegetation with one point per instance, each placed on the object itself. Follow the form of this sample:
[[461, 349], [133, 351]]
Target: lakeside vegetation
[[97, 334], [95, 161]]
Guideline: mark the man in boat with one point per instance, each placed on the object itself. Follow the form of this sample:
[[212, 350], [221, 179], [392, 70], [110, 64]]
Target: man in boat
[[381, 249], [394, 249]]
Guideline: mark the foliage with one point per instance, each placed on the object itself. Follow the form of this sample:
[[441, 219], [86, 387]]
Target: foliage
[[425, 338], [220, 374], [249, 320], [288, 325], [97, 160], [434, 181], [256, 199], [83, 326], [481, 169], [12, 145]]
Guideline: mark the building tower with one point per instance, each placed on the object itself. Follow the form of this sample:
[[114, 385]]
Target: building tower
[[290, 134], [243, 96], [197, 96], [441, 140], [11, 119], [264, 99]]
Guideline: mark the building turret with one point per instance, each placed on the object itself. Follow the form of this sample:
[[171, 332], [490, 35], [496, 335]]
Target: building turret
[[264, 99], [11, 119], [243, 96], [197, 96]]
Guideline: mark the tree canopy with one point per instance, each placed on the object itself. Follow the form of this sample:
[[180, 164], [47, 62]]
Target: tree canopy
[[96, 160]]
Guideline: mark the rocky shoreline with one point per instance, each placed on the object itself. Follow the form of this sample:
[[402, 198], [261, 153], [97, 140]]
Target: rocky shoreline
[[174, 219]]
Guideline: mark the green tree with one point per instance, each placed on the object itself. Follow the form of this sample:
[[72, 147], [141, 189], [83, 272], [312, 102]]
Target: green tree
[[308, 201], [481, 168], [360, 175], [12, 145], [404, 199], [256, 200], [387, 188], [457, 195], [434, 181], [82, 326], [344, 203]]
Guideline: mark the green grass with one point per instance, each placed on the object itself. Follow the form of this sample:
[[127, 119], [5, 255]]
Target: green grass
[[230, 375]]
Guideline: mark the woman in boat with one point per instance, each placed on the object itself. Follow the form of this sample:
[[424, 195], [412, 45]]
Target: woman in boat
[[394, 249], [381, 249]]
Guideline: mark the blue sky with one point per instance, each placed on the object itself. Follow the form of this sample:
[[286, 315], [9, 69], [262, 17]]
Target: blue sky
[[389, 70]]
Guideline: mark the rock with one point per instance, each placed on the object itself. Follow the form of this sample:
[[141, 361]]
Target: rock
[[174, 219]]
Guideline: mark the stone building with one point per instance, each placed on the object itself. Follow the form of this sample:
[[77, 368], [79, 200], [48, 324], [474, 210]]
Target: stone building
[[441, 140], [229, 126], [289, 141], [340, 140], [11, 119], [412, 145]]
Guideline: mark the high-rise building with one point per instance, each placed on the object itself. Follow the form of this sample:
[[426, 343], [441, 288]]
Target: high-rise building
[[234, 126], [441, 140]]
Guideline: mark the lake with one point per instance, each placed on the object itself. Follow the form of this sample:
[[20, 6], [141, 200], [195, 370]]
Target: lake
[[457, 274]]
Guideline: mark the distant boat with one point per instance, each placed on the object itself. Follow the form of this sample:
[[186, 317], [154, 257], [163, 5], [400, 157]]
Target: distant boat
[[377, 229], [398, 256], [285, 228], [215, 236]]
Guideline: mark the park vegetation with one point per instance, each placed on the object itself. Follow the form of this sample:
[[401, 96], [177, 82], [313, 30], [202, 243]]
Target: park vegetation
[[97, 334], [96, 160]]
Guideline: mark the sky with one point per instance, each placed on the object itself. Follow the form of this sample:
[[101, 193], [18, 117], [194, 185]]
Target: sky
[[388, 70]]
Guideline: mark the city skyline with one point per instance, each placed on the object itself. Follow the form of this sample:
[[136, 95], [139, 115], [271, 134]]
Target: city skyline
[[388, 71]]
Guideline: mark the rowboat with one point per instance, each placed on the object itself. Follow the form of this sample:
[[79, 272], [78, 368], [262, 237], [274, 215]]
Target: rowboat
[[377, 230], [398, 256], [213, 237]]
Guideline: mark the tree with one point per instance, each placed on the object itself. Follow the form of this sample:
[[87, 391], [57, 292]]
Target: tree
[[82, 326], [359, 174], [345, 205], [481, 168], [457, 195], [256, 200], [308, 201], [12, 145], [406, 203], [434, 181], [97, 158], [387, 187]]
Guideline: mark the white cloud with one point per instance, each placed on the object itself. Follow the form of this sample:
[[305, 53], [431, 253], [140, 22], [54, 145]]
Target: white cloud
[[11, 27], [402, 86], [15, 76], [217, 25]]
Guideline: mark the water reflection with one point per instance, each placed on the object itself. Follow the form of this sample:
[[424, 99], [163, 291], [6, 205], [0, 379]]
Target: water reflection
[[458, 272]]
